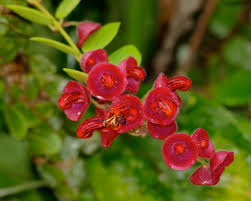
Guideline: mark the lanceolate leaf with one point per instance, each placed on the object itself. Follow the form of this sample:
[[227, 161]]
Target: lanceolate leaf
[[124, 52], [102, 37], [77, 75], [65, 8], [31, 14], [60, 46]]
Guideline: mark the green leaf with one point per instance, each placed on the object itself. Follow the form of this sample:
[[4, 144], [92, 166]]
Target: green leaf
[[44, 143], [15, 165], [124, 52], [102, 37], [31, 14], [77, 75], [16, 123], [60, 46], [66, 7], [32, 87], [235, 90], [124, 172]]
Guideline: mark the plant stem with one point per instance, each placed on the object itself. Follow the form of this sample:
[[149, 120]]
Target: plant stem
[[58, 27], [22, 187], [202, 162]]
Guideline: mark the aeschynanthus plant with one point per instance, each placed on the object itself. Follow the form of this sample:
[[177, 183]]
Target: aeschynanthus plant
[[107, 84]]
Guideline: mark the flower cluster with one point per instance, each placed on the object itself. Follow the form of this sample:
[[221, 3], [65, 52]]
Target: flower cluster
[[118, 111]]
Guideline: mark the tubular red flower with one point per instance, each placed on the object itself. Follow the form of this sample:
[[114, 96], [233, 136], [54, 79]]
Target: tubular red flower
[[85, 29], [179, 151], [160, 131], [205, 175], [93, 58], [107, 137], [106, 81], [125, 113], [205, 147], [86, 128], [176, 83], [161, 106], [74, 100], [135, 74]]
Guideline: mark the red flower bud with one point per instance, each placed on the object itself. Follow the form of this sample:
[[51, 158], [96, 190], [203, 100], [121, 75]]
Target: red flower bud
[[205, 147], [86, 128], [125, 113], [176, 83], [135, 74], [160, 131], [161, 106], [179, 151], [106, 81], [92, 58], [74, 100], [85, 29]]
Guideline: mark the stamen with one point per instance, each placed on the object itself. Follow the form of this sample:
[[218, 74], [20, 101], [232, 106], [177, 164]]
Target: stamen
[[165, 105], [179, 148], [136, 72], [108, 80], [67, 99], [204, 144], [91, 61]]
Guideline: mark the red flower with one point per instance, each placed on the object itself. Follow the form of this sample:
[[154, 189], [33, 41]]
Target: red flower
[[107, 137], [92, 58], [86, 128], [160, 131], [85, 29], [74, 100], [161, 106], [176, 83], [205, 175], [179, 151], [125, 113], [205, 147], [135, 74], [106, 81]]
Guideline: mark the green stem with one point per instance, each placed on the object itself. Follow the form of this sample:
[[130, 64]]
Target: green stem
[[58, 27], [22, 187], [202, 162]]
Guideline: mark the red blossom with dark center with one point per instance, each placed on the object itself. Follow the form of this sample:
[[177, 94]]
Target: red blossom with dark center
[[161, 106], [125, 113], [205, 147], [92, 58], [160, 131], [179, 151], [86, 129], [135, 74], [85, 29], [107, 136], [74, 100], [106, 81]]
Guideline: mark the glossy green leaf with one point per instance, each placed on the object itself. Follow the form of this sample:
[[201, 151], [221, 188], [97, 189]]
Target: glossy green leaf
[[60, 46], [16, 123], [77, 75], [235, 90], [102, 37], [124, 52], [66, 7], [44, 143], [31, 14]]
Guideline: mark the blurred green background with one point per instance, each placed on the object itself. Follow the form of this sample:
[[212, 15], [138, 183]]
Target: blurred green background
[[208, 40]]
